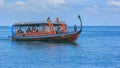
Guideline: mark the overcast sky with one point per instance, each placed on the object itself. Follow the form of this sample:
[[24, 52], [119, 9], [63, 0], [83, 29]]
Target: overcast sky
[[93, 12]]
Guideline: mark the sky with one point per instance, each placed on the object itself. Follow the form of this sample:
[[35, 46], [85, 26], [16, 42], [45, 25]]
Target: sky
[[92, 12]]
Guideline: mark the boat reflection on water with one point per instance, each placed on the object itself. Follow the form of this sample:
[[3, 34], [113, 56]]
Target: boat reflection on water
[[38, 48], [43, 44]]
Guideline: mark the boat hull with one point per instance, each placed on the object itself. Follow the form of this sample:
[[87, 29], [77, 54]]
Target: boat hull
[[72, 37], [68, 37]]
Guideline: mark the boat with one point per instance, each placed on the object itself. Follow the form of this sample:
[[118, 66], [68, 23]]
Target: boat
[[45, 31]]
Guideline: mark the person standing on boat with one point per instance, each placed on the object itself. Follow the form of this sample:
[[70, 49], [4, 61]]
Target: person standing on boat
[[57, 20], [75, 28], [20, 31], [48, 19]]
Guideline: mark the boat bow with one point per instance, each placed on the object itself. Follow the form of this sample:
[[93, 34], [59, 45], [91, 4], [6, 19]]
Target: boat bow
[[80, 24]]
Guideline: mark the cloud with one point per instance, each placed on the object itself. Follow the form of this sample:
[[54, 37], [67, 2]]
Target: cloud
[[93, 9], [113, 6], [19, 3], [56, 2], [1, 2], [114, 3], [36, 5], [41, 5]]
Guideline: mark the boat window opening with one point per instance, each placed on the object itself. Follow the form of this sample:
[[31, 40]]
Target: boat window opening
[[15, 29], [19, 30], [33, 29], [45, 28], [37, 28], [40, 28], [48, 28], [56, 29], [24, 30], [28, 29], [59, 31]]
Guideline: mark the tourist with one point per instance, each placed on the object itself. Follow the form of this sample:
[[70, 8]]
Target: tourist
[[75, 28]]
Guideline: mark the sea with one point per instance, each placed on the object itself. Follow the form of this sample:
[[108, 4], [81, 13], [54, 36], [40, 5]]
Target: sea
[[97, 47]]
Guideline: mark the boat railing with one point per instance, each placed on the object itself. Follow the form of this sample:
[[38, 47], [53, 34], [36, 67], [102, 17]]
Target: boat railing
[[70, 30]]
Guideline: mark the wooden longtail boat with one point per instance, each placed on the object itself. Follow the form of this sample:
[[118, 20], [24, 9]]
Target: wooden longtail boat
[[49, 31]]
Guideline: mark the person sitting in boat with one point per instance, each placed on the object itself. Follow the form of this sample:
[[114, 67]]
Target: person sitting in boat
[[28, 30], [45, 28], [62, 29], [65, 30], [19, 31], [59, 31], [33, 29]]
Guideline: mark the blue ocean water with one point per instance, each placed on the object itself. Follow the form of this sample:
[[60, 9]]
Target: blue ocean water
[[97, 47]]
